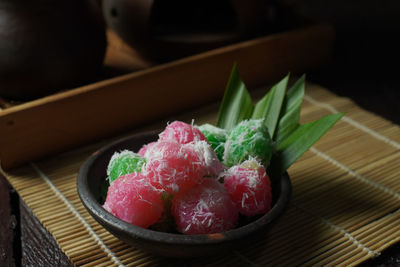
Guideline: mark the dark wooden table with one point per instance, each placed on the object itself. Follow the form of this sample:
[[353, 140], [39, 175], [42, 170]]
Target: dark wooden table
[[23, 240], [364, 68]]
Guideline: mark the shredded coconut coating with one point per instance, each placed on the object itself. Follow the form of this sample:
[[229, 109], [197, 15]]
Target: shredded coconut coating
[[133, 199], [207, 158], [249, 187], [216, 137], [124, 162], [204, 209], [218, 133], [173, 167], [249, 138], [142, 151], [182, 133]]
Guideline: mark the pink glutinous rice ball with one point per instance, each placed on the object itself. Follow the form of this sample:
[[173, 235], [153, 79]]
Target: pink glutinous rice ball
[[207, 159], [133, 199], [142, 151], [249, 187], [182, 133], [175, 167], [204, 209]]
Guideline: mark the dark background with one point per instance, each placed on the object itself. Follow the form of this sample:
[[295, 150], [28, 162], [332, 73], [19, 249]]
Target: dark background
[[365, 65]]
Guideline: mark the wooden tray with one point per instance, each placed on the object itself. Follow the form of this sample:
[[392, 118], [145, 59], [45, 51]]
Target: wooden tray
[[35, 129]]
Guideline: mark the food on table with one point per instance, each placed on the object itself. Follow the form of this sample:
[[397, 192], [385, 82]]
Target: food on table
[[204, 209], [249, 187], [212, 178], [124, 162], [134, 200], [249, 138], [216, 137], [183, 170]]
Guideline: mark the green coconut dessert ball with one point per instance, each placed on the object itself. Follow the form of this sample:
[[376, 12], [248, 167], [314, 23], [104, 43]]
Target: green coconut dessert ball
[[216, 137], [124, 162], [247, 139]]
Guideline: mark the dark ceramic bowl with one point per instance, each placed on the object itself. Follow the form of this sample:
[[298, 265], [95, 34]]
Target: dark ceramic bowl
[[91, 179]]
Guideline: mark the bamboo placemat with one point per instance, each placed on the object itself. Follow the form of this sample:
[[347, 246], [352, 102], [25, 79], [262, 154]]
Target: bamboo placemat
[[345, 207]]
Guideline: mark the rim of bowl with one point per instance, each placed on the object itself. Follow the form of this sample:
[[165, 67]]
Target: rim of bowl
[[108, 220]]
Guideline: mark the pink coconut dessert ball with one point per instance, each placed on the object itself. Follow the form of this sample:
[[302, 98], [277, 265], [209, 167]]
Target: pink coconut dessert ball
[[205, 158], [249, 187], [133, 199], [182, 133], [142, 151], [204, 209], [172, 167]]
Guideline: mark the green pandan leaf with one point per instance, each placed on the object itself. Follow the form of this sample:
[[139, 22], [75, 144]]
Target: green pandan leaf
[[290, 113], [269, 107], [281, 112], [290, 149], [236, 104]]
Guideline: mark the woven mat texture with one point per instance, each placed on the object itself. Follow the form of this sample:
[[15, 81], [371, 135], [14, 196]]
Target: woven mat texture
[[345, 206]]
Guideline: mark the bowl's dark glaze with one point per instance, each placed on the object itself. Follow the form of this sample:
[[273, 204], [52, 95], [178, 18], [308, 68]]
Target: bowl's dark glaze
[[91, 177]]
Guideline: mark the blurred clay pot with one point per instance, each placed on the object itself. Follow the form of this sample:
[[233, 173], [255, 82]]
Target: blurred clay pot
[[49, 45], [165, 30]]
